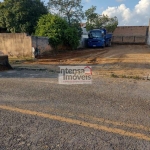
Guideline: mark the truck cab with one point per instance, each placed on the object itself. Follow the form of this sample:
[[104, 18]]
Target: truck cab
[[99, 38]]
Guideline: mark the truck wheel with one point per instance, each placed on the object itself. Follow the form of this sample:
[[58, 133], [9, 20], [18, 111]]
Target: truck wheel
[[104, 45]]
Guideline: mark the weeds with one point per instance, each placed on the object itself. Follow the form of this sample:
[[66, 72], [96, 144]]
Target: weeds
[[127, 77], [114, 75]]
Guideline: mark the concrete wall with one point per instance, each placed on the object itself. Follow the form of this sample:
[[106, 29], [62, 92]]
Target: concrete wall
[[141, 39], [15, 45], [130, 31], [19, 45], [130, 39], [130, 34], [42, 43]]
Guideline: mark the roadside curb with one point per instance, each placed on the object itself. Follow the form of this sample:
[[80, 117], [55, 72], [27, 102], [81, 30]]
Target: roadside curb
[[27, 68], [44, 69], [35, 69]]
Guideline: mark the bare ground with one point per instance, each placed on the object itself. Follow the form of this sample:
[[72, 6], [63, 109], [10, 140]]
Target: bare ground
[[129, 60]]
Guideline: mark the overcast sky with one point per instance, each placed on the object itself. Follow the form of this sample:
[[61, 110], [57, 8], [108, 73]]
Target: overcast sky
[[128, 12]]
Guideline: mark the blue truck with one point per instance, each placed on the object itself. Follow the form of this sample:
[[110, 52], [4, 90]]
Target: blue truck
[[99, 38]]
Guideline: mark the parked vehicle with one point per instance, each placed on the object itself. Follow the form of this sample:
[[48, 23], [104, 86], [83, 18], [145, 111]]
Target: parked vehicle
[[99, 38]]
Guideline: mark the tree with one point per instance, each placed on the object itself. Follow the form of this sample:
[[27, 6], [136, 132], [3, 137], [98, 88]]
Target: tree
[[94, 20], [71, 37], [58, 31], [21, 15], [52, 26], [69, 9], [2, 22]]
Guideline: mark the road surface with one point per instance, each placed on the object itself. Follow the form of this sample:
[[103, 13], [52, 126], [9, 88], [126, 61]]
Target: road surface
[[36, 113]]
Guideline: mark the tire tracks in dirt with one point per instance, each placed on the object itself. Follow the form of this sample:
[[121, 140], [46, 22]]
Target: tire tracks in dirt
[[93, 57]]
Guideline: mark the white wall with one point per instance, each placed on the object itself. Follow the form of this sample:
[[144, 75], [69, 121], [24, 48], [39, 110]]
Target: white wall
[[84, 31], [83, 38]]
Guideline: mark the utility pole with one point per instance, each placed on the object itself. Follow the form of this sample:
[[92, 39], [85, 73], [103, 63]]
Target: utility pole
[[148, 39]]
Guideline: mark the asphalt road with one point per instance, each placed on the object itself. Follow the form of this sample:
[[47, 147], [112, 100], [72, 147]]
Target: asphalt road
[[36, 113]]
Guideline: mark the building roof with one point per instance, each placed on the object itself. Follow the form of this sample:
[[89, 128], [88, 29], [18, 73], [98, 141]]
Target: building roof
[[83, 25]]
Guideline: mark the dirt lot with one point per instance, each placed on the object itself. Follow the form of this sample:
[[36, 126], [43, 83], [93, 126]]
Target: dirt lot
[[121, 60]]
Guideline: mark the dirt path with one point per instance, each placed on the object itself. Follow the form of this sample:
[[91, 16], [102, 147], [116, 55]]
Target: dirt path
[[119, 59]]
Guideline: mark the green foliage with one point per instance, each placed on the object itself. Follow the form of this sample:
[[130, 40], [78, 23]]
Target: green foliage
[[68, 9], [95, 20], [71, 37], [52, 26], [114, 75], [2, 22], [21, 15], [58, 31], [76, 24]]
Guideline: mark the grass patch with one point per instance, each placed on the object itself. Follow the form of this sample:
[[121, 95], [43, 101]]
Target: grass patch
[[131, 77], [20, 60], [114, 75], [127, 77], [124, 76], [136, 77]]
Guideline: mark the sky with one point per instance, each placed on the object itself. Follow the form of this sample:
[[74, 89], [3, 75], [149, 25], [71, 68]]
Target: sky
[[128, 12]]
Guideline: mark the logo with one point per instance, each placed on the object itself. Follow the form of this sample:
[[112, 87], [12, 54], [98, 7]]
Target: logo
[[75, 75]]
